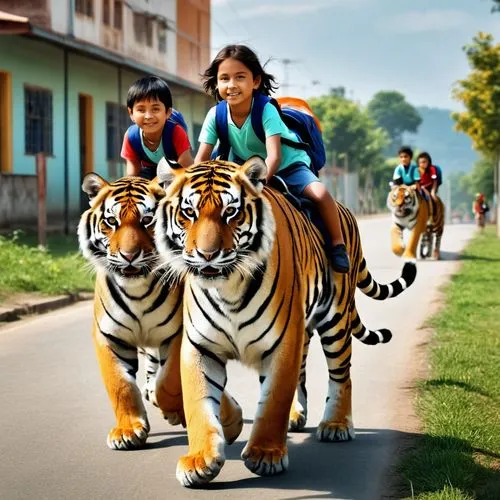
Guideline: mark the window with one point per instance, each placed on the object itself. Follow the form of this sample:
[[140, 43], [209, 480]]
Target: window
[[162, 38], [85, 7], [106, 14], [149, 32], [118, 17], [38, 120], [139, 27], [117, 122]]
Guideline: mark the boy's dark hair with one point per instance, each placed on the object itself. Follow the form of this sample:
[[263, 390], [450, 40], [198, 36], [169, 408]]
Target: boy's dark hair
[[149, 87], [406, 150], [425, 155], [247, 57]]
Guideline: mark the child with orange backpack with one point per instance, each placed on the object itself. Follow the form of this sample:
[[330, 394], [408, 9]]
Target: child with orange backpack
[[248, 122]]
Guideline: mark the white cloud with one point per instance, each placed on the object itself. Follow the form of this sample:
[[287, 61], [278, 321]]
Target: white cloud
[[426, 21], [285, 8]]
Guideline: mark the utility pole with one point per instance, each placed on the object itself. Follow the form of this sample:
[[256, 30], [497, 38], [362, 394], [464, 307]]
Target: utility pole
[[286, 63], [447, 208]]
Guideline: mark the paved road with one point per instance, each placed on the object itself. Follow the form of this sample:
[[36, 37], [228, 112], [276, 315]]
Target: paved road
[[54, 413]]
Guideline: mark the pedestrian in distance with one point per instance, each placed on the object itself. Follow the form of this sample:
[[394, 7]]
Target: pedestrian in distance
[[237, 77], [480, 208], [158, 130]]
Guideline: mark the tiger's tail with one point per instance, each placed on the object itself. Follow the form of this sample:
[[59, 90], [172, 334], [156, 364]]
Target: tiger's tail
[[375, 290], [370, 337]]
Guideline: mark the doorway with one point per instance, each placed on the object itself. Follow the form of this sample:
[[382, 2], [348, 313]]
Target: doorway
[[85, 107]]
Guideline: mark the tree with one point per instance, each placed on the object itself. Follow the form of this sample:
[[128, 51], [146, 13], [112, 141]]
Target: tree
[[352, 139], [390, 111], [480, 95], [348, 129], [480, 180], [496, 6]]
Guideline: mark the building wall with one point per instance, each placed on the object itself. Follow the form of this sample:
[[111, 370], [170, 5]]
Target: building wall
[[87, 76], [193, 38], [18, 201], [37, 10]]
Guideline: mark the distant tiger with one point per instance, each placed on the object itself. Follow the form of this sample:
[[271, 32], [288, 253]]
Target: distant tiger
[[411, 211], [135, 308], [257, 280]]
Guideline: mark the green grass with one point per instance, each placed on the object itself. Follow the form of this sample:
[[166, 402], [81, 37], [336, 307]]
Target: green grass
[[58, 269], [459, 455]]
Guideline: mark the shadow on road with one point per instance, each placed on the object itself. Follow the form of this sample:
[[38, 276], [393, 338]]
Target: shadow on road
[[345, 470]]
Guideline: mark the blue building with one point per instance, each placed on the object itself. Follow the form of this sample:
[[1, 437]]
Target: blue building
[[65, 68]]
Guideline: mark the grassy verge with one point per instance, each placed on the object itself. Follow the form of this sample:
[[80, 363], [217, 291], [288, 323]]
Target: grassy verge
[[459, 455], [26, 268]]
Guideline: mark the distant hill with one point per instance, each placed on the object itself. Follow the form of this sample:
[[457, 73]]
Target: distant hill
[[436, 135]]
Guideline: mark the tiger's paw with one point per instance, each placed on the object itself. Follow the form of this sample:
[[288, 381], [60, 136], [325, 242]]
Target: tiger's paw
[[198, 469], [129, 437], [265, 461], [231, 420], [175, 417], [335, 431], [298, 419]]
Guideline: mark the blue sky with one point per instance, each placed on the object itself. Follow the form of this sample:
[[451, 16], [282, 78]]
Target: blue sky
[[364, 45]]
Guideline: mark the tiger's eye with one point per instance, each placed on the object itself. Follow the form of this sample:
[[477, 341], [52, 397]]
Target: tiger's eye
[[189, 211], [147, 219], [112, 221], [230, 211]]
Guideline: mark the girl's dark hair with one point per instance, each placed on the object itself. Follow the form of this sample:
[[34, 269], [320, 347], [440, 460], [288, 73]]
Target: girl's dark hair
[[247, 57], [427, 156], [149, 87]]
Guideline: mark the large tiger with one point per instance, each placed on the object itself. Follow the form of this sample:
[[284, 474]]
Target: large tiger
[[135, 308], [256, 281], [411, 211]]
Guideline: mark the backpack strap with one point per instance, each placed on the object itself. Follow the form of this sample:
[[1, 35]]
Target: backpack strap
[[222, 129], [134, 137], [167, 140], [259, 102]]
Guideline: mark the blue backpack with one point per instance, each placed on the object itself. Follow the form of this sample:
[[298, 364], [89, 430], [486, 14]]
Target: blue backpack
[[439, 174], [303, 124], [134, 137]]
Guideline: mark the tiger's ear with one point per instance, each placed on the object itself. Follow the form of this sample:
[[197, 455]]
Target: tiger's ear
[[255, 169], [167, 171], [92, 184]]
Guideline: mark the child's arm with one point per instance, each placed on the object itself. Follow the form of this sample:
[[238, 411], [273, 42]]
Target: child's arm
[[133, 168], [204, 152], [273, 149], [434, 188], [185, 159]]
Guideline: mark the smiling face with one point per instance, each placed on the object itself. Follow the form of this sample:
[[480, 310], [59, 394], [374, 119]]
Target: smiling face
[[150, 115], [117, 233], [236, 83], [214, 221]]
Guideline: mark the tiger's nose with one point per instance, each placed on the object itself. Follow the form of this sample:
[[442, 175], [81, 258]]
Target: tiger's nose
[[129, 256], [208, 255]]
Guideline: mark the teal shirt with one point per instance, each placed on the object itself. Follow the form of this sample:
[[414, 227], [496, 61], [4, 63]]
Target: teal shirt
[[409, 175], [244, 143], [154, 156]]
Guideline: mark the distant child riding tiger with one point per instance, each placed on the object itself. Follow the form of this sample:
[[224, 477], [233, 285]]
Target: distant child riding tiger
[[257, 284]]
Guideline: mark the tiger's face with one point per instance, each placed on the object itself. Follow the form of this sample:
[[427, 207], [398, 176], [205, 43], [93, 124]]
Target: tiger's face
[[116, 234], [214, 222], [402, 201]]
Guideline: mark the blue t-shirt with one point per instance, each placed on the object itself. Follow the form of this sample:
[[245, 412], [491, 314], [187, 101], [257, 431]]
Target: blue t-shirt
[[244, 143], [409, 175]]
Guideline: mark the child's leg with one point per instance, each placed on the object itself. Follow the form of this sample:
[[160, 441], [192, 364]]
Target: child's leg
[[328, 210]]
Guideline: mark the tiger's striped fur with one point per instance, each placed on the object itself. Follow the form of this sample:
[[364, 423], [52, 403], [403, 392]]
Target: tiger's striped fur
[[411, 211], [256, 280], [135, 309]]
